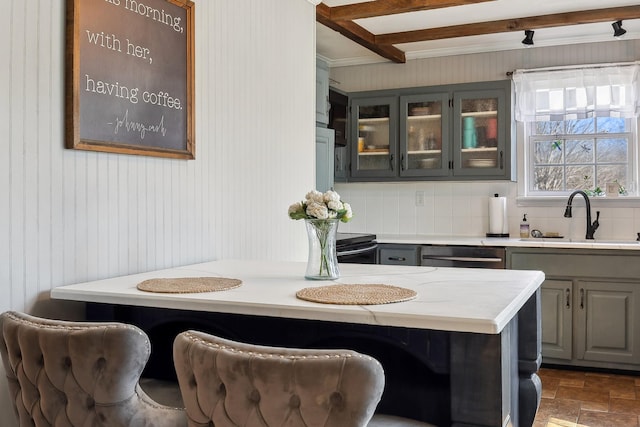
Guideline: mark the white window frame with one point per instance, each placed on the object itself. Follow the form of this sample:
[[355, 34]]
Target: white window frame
[[525, 155], [632, 160]]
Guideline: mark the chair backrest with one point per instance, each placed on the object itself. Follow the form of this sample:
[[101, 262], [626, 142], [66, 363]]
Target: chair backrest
[[79, 374], [225, 383]]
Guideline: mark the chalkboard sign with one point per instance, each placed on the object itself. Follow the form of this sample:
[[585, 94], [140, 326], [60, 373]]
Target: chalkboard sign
[[129, 77]]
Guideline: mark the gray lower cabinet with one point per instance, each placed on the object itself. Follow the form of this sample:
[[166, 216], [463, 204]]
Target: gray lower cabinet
[[606, 318], [590, 305], [398, 254], [557, 318]]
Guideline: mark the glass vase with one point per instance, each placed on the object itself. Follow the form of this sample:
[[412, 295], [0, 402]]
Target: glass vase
[[323, 262]]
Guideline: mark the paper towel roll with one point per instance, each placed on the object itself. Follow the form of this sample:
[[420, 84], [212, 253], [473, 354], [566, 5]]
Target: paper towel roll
[[498, 215]]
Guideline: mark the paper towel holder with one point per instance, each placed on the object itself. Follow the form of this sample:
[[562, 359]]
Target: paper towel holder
[[497, 234]]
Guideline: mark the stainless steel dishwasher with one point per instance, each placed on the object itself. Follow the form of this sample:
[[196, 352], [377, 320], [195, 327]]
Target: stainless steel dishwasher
[[462, 256]]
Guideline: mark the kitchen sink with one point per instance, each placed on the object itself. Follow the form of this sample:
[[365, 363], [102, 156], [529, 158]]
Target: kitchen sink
[[548, 240]]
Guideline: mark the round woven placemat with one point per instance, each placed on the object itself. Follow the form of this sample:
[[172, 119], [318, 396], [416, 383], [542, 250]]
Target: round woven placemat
[[357, 294], [184, 285]]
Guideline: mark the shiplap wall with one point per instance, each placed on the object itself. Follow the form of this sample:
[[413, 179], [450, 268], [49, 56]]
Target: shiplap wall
[[70, 216], [461, 208], [478, 67]]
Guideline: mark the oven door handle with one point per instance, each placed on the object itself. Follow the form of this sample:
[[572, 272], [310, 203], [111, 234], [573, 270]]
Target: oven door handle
[[357, 251], [462, 258]]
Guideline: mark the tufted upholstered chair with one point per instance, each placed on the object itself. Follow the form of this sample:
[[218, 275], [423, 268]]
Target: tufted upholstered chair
[[236, 384], [228, 384], [75, 374]]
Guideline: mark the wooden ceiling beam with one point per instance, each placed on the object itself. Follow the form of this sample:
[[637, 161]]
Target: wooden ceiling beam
[[517, 24], [372, 9], [356, 33]]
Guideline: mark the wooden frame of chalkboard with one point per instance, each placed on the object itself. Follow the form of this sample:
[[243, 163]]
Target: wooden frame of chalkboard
[[130, 77]]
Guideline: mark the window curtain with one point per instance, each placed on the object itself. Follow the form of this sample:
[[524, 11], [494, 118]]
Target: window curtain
[[577, 93]]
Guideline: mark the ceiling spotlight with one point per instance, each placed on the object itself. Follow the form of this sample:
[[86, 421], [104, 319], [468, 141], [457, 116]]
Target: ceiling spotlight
[[618, 31], [528, 38]]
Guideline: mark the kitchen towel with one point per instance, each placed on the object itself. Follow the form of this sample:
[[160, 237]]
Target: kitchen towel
[[498, 216]]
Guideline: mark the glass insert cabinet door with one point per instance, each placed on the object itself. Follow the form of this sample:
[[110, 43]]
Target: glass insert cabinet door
[[375, 148], [424, 135], [479, 138]]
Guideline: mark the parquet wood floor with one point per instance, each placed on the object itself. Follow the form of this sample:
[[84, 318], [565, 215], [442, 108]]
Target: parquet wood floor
[[588, 399]]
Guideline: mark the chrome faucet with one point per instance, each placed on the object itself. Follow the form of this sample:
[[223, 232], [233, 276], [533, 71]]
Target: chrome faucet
[[591, 228]]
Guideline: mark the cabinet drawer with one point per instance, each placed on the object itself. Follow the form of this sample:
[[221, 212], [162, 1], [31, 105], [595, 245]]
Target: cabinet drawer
[[399, 255]]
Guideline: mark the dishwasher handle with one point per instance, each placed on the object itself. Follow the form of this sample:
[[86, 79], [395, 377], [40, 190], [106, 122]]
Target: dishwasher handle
[[462, 258]]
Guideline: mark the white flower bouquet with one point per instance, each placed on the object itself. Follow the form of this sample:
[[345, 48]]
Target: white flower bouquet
[[317, 205], [322, 212]]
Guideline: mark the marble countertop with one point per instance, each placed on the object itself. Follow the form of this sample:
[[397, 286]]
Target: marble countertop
[[450, 299], [508, 242]]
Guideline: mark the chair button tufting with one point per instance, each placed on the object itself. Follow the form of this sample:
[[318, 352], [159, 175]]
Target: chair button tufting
[[90, 403], [101, 363], [192, 382], [66, 363], [222, 390], [336, 398], [255, 396], [294, 402]]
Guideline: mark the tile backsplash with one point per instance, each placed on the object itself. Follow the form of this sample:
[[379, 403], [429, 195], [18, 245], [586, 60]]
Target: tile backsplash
[[462, 209]]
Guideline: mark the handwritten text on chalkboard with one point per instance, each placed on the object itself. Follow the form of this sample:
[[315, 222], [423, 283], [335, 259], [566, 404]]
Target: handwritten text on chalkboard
[[132, 76]]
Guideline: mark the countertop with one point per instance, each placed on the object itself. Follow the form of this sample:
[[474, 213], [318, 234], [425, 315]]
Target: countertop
[[450, 299], [508, 242]]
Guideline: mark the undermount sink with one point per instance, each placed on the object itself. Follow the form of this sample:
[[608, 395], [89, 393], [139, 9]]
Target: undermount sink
[[585, 241]]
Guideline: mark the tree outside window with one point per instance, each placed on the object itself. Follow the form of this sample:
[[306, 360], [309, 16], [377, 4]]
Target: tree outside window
[[583, 154]]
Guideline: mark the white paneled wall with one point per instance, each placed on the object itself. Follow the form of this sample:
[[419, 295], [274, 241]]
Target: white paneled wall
[[70, 216], [460, 208]]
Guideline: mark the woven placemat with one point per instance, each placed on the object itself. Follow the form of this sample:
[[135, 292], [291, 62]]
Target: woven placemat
[[184, 285], [356, 294]]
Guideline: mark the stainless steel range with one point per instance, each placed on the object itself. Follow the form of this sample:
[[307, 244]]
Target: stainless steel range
[[356, 248]]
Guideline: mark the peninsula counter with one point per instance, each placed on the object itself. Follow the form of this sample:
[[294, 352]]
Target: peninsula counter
[[478, 329]]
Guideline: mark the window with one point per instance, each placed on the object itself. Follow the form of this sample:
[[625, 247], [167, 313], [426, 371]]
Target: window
[[583, 154], [579, 128]]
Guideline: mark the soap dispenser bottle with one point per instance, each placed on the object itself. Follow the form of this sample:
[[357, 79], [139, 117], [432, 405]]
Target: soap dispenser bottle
[[524, 227]]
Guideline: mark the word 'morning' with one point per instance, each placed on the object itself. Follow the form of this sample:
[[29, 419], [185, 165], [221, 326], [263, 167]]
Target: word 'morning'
[[158, 15], [159, 98]]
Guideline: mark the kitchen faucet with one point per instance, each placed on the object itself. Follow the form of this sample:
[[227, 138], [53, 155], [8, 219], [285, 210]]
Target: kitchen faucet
[[591, 228]]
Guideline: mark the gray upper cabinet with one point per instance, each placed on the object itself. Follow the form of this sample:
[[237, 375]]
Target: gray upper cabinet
[[324, 159], [433, 133], [424, 126], [322, 93], [481, 132], [374, 130]]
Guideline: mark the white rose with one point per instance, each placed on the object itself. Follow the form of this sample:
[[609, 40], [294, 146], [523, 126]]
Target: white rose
[[335, 205], [348, 214], [317, 210], [315, 196], [296, 207], [331, 196]]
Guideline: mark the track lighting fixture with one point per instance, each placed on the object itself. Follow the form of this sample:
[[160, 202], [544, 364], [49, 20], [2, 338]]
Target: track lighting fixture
[[528, 38], [618, 31]]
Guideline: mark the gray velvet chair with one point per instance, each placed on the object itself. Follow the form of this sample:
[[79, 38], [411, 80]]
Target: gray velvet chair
[[79, 374], [227, 384]]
